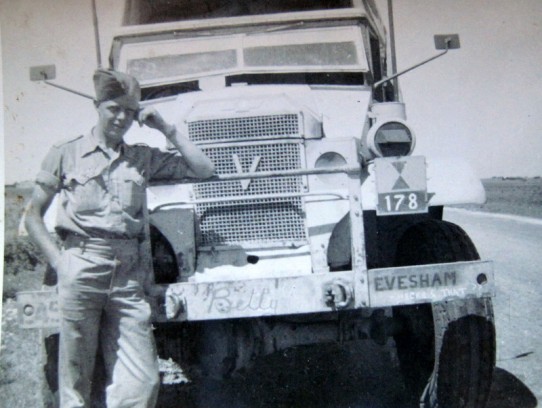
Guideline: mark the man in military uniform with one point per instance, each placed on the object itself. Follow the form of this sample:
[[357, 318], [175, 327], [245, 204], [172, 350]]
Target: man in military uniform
[[101, 218]]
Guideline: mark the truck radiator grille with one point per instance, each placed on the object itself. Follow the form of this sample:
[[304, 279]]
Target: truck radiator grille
[[252, 221], [254, 127]]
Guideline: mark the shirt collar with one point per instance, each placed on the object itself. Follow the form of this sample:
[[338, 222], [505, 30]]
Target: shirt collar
[[91, 143]]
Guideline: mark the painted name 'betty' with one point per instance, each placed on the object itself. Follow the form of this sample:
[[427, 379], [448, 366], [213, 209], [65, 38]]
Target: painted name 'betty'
[[226, 299]]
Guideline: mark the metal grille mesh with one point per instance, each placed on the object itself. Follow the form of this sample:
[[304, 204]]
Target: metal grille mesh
[[252, 220], [254, 127]]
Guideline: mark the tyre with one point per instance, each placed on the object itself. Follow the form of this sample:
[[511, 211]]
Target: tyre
[[446, 349], [164, 261]]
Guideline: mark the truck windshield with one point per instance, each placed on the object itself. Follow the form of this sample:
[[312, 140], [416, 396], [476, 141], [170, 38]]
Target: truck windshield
[[326, 49], [159, 11]]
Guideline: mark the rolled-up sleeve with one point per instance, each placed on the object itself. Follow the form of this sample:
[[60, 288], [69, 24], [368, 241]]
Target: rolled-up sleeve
[[167, 165], [50, 172]]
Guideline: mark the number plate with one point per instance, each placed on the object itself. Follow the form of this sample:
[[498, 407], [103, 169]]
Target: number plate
[[38, 309], [401, 185]]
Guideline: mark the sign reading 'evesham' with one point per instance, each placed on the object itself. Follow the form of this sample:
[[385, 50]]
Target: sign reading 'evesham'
[[429, 283], [414, 281]]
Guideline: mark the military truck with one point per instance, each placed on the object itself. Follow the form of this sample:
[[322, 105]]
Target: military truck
[[321, 224]]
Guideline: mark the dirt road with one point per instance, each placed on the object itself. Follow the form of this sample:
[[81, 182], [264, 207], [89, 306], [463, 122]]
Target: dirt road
[[515, 245]]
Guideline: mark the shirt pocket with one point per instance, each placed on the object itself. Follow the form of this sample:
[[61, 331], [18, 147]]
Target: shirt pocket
[[132, 192], [86, 191]]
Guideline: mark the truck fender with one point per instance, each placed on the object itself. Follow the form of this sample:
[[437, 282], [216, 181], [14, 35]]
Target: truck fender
[[177, 226], [339, 251]]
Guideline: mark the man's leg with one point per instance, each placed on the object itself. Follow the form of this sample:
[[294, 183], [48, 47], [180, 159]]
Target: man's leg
[[81, 313], [130, 353], [77, 352]]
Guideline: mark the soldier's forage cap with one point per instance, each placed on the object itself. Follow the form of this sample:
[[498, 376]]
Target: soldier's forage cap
[[111, 85]]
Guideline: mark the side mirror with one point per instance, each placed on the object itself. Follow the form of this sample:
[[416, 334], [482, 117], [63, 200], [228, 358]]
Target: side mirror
[[447, 41], [42, 72]]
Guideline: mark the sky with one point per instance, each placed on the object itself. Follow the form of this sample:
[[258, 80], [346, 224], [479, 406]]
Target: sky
[[482, 102]]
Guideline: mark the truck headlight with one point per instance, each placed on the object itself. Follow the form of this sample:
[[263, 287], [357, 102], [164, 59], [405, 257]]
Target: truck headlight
[[391, 138], [332, 159]]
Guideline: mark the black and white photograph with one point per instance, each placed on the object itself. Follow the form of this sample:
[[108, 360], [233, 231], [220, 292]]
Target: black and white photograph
[[271, 203]]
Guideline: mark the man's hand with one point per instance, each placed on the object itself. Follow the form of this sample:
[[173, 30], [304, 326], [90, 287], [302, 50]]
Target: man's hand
[[199, 165], [150, 117]]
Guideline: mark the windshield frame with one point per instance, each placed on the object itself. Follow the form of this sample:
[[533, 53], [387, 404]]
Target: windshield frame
[[202, 48]]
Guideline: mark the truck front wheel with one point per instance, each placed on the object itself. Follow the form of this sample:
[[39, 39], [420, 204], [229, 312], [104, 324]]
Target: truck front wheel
[[446, 349]]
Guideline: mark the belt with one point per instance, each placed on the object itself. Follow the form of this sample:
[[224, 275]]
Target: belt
[[73, 239], [64, 233]]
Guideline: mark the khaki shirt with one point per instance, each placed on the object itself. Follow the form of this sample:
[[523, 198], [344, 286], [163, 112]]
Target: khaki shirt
[[103, 195]]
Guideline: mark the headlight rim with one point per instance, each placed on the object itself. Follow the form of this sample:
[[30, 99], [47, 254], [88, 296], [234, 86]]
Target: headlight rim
[[371, 136]]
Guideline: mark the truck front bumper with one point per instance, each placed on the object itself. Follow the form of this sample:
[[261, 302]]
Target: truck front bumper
[[331, 291], [311, 293]]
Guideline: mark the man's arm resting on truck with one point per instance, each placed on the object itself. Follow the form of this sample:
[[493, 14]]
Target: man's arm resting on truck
[[199, 165]]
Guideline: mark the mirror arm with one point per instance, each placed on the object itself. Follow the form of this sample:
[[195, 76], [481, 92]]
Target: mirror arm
[[68, 89], [383, 81], [447, 42]]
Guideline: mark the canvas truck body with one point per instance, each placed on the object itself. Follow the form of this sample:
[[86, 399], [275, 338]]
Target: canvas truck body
[[321, 224]]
